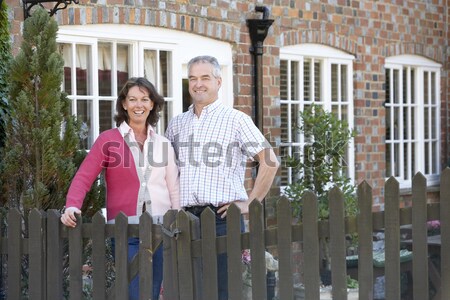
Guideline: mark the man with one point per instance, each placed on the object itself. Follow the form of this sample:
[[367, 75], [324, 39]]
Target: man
[[213, 143]]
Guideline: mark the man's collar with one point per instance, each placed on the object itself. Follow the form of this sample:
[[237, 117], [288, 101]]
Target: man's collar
[[208, 108]]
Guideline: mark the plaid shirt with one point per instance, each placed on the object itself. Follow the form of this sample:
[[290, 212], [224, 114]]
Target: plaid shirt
[[212, 152]]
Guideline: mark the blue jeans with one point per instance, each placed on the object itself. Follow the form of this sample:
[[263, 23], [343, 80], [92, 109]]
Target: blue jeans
[[133, 248]]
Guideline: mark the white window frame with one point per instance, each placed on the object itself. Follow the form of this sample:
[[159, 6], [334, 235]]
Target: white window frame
[[328, 56], [420, 66], [183, 47]]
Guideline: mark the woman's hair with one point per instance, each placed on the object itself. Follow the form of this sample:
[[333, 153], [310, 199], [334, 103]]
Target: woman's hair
[[142, 83]]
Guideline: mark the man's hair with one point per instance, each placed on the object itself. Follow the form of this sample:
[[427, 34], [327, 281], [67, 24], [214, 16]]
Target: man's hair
[[206, 59], [143, 84]]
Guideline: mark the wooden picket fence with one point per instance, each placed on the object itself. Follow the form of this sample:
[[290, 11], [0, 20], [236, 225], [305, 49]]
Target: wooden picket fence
[[187, 247]]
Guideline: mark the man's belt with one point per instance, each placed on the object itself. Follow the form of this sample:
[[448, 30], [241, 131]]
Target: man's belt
[[198, 209]]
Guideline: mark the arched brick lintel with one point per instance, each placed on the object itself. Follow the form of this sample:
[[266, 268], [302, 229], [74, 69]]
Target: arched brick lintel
[[432, 52], [318, 37]]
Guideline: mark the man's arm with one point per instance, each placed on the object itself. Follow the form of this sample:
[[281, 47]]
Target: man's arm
[[267, 169], [268, 166]]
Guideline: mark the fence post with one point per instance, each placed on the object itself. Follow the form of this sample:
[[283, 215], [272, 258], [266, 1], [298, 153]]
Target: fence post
[[14, 254], [209, 254], [185, 271], [98, 257], [75, 260], [284, 219], [419, 236], [36, 251], [445, 233], [121, 256], [146, 251], [257, 251], [170, 257], [311, 246], [365, 239], [54, 256], [392, 239], [196, 261], [337, 243], [234, 253]]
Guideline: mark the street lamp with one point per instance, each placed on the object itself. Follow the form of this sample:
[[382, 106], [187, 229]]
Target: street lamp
[[59, 4]]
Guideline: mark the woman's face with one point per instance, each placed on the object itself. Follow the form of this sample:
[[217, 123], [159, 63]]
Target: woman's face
[[138, 106]]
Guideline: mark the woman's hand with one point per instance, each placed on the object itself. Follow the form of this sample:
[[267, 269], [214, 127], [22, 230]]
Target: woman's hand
[[68, 218]]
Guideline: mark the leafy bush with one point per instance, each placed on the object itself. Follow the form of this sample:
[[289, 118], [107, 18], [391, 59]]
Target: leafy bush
[[320, 165]]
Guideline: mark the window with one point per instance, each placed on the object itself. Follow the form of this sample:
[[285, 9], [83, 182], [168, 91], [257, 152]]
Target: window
[[412, 118], [98, 60], [313, 74]]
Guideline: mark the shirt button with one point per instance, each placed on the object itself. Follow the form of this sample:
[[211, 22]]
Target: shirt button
[[143, 184], [149, 167]]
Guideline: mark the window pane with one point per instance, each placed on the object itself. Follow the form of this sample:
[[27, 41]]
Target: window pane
[[396, 123], [395, 87], [434, 128], [284, 122], [295, 110], [396, 160], [334, 83], [307, 81], [388, 124], [405, 162], [317, 82], [84, 113], [405, 86], [433, 90], [344, 113], [283, 80], [434, 158], [413, 86], [150, 65], [413, 122], [426, 123], [166, 75], [104, 69], [123, 66], [294, 80], [426, 99], [344, 96], [405, 123], [83, 70], [106, 110], [66, 51]]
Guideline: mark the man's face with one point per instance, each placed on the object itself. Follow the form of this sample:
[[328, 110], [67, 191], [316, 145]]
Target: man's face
[[203, 86]]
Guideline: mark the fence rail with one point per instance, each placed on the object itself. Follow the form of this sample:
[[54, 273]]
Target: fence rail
[[38, 248]]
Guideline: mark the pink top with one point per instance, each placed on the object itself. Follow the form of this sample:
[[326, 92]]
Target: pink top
[[111, 153]]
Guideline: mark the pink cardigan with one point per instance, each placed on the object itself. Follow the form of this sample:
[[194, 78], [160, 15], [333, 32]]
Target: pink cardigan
[[112, 154]]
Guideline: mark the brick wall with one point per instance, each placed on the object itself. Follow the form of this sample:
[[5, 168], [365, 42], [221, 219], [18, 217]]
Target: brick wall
[[369, 30]]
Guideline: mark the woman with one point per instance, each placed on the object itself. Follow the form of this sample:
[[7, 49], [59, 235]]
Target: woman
[[139, 168]]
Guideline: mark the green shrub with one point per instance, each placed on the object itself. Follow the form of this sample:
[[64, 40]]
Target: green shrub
[[320, 165]]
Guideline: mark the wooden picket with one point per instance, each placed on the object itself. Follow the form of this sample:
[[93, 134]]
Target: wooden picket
[[42, 246]]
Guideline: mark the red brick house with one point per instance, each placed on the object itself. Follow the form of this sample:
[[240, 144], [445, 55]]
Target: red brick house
[[381, 65]]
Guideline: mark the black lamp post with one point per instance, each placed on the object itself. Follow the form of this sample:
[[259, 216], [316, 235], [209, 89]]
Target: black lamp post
[[58, 4]]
